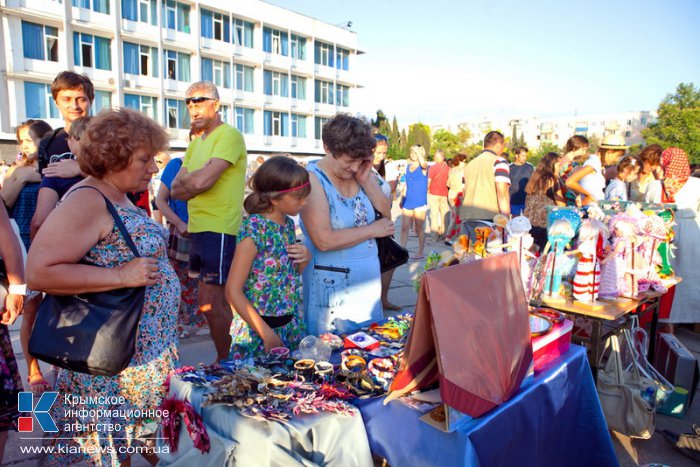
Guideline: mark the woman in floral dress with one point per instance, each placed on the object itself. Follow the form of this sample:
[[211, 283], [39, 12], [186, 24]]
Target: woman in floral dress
[[101, 419]]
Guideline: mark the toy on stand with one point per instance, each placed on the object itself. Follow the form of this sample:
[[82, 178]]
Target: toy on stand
[[621, 268], [591, 243], [652, 233], [668, 216], [521, 241], [563, 224]]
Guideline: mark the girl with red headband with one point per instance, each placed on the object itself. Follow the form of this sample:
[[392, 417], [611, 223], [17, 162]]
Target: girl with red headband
[[264, 284]]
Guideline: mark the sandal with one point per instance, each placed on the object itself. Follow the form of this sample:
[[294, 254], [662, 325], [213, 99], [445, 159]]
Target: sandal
[[39, 385], [417, 257]]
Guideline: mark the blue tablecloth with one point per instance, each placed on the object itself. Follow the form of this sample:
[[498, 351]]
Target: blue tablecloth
[[555, 419]]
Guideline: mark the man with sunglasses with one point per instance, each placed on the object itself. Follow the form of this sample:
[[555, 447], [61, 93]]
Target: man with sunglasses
[[212, 180]]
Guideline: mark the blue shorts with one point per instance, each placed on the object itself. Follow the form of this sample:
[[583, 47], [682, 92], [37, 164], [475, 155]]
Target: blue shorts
[[211, 255]]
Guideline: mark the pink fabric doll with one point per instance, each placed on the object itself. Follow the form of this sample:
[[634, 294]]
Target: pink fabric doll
[[591, 240], [622, 267], [652, 234]]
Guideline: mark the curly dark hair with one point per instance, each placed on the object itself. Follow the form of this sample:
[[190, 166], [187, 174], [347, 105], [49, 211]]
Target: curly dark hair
[[345, 135], [112, 138]]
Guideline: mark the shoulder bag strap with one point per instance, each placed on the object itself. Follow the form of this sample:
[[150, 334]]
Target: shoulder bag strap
[[117, 221]]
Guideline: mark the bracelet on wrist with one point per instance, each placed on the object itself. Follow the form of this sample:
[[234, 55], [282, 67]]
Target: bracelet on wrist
[[18, 289]]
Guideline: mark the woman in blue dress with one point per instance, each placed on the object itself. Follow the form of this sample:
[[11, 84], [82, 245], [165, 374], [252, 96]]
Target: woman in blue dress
[[342, 285], [415, 202]]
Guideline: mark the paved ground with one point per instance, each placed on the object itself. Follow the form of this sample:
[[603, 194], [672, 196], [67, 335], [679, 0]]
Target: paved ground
[[198, 348]]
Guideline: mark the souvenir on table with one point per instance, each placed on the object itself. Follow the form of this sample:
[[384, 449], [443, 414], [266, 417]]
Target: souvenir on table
[[562, 229], [652, 233], [481, 245], [591, 242], [622, 266], [669, 218], [521, 241], [471, 333]]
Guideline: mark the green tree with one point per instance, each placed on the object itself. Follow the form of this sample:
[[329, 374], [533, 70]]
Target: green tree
[[418, 133], [403, 149], [594, 143], [380, 121], [679, 122], [544, 148], [447, 141], [463, 134]]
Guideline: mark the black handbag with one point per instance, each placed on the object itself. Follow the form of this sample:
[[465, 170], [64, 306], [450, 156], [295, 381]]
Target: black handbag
[[93, 333], [391, 254]]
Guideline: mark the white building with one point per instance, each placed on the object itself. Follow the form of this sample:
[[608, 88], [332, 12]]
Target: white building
[[280, 74], [556, 130]]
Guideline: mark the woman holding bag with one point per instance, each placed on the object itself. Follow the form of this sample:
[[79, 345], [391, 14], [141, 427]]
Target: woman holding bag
[[117, 154]]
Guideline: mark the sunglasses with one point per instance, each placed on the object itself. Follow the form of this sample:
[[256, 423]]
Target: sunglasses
[[197, 100]]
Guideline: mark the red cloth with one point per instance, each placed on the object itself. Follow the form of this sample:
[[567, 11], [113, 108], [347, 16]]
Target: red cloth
[[437, 174]]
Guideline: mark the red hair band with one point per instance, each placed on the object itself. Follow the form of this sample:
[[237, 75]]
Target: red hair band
[[299, 187]]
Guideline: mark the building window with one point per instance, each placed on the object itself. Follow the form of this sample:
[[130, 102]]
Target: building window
[[225, 113], [276, 123], [176, 114], [177, 65], [144, 104], [216, 26], [628, 134], [342, 96], [143, 11], [176, 16], [244, 120], [323, 92], [342, 59], [298, 126], [40, 42], [103, 100], [275, 83], [629, 122], [275, 41], [140, 60], [243, 33], [318, 126], [100, 6], [298, 87], [244, 78], [92, 51], [298, 47], [38, 102], [217, 72], [323, 54]]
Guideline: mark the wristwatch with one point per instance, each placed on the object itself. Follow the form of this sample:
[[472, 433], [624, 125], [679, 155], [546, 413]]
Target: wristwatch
[[18, 289]]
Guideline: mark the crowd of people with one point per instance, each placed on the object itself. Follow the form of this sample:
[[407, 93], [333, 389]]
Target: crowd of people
[[219, 243]]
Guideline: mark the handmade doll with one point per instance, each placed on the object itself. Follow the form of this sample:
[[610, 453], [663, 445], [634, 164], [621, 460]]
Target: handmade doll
[[560, 234], [652, 233], [591, 242], [622, 266], [669, 219], [520, 241]]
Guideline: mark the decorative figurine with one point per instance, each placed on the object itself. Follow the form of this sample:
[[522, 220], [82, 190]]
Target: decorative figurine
[[591, 242], [622, 267]]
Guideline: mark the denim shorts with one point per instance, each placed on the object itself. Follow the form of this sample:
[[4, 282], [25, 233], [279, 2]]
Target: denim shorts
[[211, 255]]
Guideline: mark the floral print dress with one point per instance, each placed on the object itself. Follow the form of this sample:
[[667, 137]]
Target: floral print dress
[[273, 286], [10, 382], [126, 399]]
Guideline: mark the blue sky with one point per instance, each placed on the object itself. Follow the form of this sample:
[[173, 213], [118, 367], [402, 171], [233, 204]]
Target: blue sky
[[447, 61]]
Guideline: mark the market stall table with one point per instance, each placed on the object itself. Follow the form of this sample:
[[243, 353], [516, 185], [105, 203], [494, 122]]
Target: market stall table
[[613, 316], [318, 439], [554, 419]]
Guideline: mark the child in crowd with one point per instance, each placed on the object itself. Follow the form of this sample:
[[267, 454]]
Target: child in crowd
[[589, 180], [264, 284], [627, 171]]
